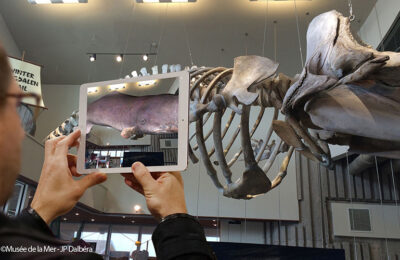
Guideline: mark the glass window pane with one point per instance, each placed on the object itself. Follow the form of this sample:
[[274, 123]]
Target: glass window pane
[[147, 243], [28, 197], [96, 235], [212, 239], [112, 153], [68, 231], [123, 240], [14, 202], [104, 153]]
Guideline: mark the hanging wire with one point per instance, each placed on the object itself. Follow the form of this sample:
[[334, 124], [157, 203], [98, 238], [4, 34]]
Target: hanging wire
[[187, 39], [379, 28], [217, 222], [352, 16], [351, 203], [275, 40], [92, 65], [245, 220], [198, 192], [265, 27], [128, 38], [163, 29], [298, 33], [376, 161], [246, 35], [221, 57], [395, 191], [383, 212]]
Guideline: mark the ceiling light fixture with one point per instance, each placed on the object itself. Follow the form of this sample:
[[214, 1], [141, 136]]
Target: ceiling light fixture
[[146, 83], [116, 87], [92, 90], [275, 0], [165, 1], [57, 1], [137, 208], [119, 57], [92, 57]]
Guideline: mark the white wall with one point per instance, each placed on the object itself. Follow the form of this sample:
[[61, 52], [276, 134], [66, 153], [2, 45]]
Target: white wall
[[381, 17], [7, 40]]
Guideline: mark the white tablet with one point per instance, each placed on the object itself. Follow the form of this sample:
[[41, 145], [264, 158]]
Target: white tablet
[[137, 119]]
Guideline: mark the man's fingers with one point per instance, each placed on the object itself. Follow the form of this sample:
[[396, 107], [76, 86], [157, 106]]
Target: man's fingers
[[74, 172], [134, 186], [72, 159], [92, 179], [50, 145], [142, 175], [71, 140], [178, 176]]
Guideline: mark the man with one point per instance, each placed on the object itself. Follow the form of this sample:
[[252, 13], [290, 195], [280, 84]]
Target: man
[[178, 236]]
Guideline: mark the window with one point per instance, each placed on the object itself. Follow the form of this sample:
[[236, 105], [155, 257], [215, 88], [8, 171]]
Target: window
[[147, 243], [96, 235], [13, 205], [212, 239], [123, 240], [68, 231], [113, 153], [104, 153]]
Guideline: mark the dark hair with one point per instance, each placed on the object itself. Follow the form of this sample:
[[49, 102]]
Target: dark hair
[[5, 75]]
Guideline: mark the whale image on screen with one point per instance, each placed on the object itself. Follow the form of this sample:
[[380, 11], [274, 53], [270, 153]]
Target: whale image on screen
[[135, 121]]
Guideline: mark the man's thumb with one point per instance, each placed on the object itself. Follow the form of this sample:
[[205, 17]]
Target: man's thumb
[[142, 175], [92, 179]]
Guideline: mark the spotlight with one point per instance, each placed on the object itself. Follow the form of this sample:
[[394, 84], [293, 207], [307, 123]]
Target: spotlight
[[76, 214], [145, 57], [92, 57], [57, 1], [92, 90], [137, 208], [92, 220], [119, 58], [116, 87], [146, 83]]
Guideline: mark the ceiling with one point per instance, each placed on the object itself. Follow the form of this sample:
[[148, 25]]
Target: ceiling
[[59, 36]]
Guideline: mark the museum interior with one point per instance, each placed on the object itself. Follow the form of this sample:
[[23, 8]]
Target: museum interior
[[268, 176]]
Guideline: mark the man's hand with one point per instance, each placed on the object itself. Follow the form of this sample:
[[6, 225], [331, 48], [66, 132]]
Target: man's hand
[[57, 192], [163, 191]]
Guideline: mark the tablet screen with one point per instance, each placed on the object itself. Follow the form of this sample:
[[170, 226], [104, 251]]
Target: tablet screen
[[132, 121]]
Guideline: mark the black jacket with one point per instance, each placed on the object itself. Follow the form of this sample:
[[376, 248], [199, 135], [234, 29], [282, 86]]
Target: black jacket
[[179, 238]]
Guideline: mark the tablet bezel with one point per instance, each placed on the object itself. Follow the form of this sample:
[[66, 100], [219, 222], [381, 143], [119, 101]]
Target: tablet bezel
[[183, 123]]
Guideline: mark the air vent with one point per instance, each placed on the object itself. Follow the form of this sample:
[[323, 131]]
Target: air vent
[[168, 143], [359, 220]]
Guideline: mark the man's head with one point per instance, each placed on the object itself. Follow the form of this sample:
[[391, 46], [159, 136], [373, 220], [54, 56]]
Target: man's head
[[11, 132]]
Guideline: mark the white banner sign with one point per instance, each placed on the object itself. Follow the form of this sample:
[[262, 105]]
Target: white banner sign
[[28, 79]]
